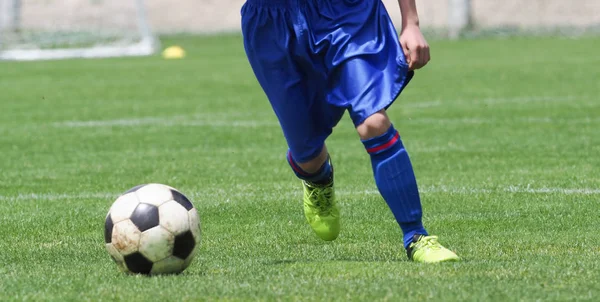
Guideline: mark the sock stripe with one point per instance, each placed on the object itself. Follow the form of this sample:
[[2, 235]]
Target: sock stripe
[[386, 145], [295, 166]]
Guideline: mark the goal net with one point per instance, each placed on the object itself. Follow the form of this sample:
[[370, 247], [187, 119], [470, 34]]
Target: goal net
[[60, 29]]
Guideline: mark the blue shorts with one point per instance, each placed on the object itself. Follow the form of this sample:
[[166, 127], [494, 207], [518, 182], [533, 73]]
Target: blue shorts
[[316, 59]]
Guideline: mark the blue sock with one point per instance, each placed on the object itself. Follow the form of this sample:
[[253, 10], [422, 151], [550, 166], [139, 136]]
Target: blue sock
[[322, 176], [396, 181]]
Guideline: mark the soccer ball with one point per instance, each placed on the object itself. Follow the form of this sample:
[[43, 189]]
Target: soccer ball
[[152, 229]]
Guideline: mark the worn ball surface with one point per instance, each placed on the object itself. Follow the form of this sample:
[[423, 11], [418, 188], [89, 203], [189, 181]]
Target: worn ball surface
[[152, 229]]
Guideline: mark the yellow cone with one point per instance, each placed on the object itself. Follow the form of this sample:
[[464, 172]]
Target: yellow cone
[[173, 52]]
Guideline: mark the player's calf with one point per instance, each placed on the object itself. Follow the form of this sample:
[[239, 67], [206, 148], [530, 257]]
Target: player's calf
[[393, 173]]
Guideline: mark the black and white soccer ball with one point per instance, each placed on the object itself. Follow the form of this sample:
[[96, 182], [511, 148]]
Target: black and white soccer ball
[[152, 229]]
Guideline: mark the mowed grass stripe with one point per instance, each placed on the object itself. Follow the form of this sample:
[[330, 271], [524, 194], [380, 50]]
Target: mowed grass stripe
[[294, 192], [502, 135]]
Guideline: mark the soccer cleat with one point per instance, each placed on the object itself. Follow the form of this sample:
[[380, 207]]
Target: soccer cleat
[[427, 249], [320, 210]]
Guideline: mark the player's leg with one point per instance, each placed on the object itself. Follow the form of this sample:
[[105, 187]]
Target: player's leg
[[393, 173], [320, 208], [295, 91], [367, 79], [317, 170], [396, 181]]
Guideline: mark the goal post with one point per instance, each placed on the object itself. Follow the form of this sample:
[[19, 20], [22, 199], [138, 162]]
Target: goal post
[[459, 17], [9, 14], [61, 29]]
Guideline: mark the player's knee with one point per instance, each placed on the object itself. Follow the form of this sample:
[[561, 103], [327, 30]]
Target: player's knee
[[375, 125]]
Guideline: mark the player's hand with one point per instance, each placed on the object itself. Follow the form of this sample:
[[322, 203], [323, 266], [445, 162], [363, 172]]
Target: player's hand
[[415, 47]]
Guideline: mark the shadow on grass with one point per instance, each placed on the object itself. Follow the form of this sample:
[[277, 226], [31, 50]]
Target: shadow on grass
[[336, 260]]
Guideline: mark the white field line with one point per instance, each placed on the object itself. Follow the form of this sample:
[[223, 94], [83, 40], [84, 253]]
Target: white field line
[[165, 121], [492, 121], [237, 120], [492, 101], [292, 192]]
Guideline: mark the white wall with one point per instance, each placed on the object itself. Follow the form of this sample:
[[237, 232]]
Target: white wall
[[224, 15], [211, 15]]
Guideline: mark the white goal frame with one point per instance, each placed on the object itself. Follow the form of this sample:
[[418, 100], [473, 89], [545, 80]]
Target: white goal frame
[[148, 44]]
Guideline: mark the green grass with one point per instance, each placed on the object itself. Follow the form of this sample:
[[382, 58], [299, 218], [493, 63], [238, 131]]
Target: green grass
[[504, 136]]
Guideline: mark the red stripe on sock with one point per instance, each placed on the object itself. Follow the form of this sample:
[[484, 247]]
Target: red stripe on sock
[[388, 144], [294, 166]]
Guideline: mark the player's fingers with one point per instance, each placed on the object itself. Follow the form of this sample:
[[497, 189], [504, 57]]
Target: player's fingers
[[411, 63], [406, 51], [426, 55], [423, 56], [415, 59]]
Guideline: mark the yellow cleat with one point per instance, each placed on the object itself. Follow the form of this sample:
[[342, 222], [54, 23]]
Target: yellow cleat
[[427, 249], [320, 210]]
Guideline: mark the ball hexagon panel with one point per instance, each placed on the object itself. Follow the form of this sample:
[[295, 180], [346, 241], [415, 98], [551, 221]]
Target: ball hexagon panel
[[108, 228], [184, 245], [190, 257], [154, 194], [169, 265], [195, 227], [145, 216], [174, 217], [122, 208], [156, 243], [134, 188], [125, 237], [137, 263], [182, 200]]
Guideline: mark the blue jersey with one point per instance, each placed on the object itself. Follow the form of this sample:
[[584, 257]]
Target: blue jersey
[[317, 59]]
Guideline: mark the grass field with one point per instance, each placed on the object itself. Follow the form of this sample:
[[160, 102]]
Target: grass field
[[504, 136]]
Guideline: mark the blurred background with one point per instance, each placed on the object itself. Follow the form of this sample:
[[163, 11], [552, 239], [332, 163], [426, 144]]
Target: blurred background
[[36, 24]]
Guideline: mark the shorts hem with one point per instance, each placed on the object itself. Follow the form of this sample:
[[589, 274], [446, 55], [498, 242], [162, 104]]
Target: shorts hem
[[309, 157], [409, 75]]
